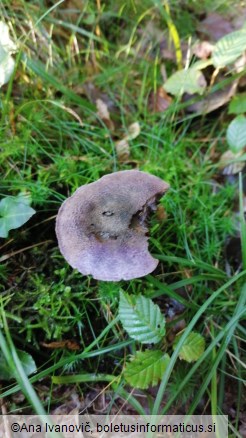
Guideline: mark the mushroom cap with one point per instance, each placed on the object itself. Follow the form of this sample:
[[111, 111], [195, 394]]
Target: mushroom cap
[[101, 229]]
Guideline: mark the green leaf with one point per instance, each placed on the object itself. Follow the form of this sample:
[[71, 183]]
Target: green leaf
[[146, 368], [189, 80], [229, 48], [200, 65], [236, 134], [7, 65], [27, 362], [238, 104], [7, 47], [192, 348], [141, 318], [14, 212]]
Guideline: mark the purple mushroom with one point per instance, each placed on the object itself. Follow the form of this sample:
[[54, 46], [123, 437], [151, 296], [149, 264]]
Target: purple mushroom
[[102, 228]]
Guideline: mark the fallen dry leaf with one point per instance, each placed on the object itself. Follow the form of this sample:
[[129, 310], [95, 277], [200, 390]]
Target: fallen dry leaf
[[133, 131], [102, 109], [122, 150], [215, 26], [159, 101], [213, 101], [103, 113], [239, 67], [161, 213], [70, 345], [122, 147], [229, 167], [240, 63], [203, 49]]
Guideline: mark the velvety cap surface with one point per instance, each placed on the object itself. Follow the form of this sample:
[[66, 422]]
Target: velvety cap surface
[[101, 229]]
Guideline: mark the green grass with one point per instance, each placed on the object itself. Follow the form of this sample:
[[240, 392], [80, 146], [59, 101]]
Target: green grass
[[52, 142]]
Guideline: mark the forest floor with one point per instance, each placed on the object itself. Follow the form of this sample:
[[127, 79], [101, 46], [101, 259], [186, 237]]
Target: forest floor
[[87, 97]]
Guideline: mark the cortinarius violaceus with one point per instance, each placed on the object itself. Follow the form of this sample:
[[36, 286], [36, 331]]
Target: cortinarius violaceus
[[101, 229]]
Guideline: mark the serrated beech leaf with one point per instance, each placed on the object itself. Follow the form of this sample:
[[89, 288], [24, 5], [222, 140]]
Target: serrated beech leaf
[[146, 368], [192, 348], [141, 318]]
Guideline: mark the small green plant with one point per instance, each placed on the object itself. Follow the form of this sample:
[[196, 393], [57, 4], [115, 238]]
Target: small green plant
[[26, 360], [144, 322], [146, 368], [229, 48], [189, 80], [7, 47], [141, 318], [225, 52], [14, 212], [238, 104], [236, 131], [236, 134], [192, 348]]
